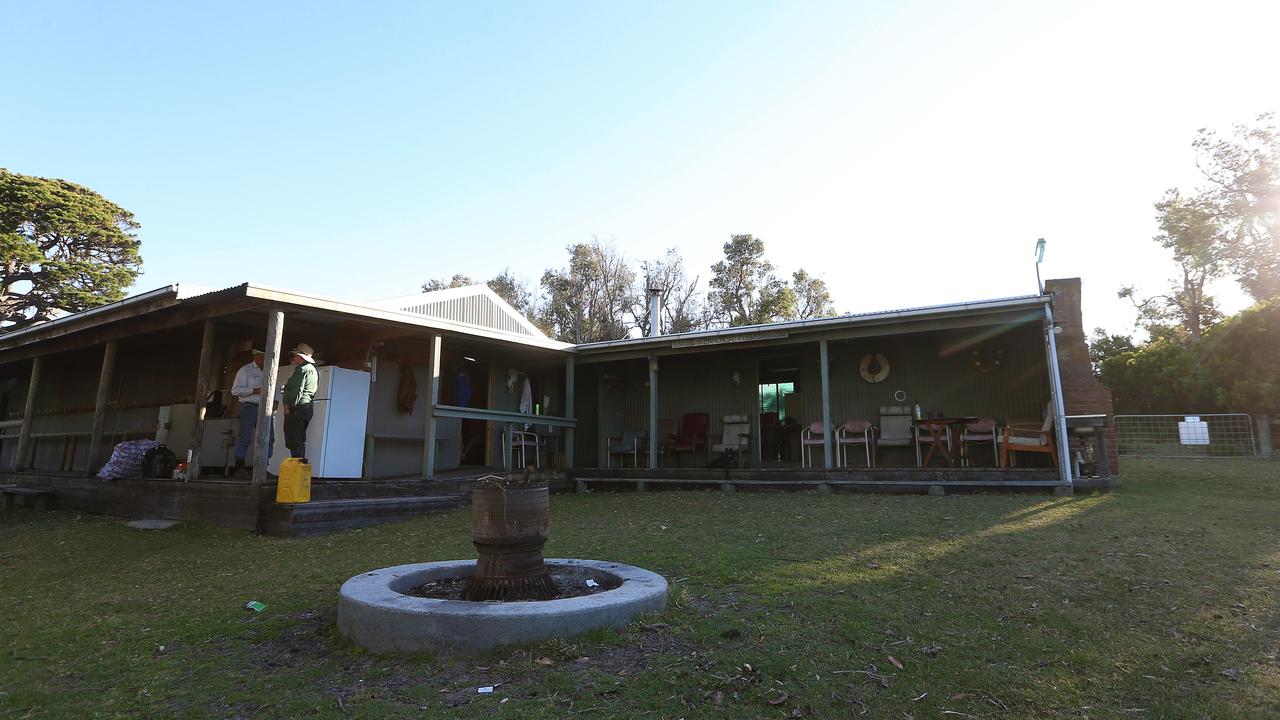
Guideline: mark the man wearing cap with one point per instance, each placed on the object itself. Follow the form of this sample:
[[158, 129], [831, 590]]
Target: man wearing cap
[[298, 392], [248, 390]]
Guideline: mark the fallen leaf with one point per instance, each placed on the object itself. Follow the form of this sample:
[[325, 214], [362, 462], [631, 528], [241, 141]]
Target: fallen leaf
[[718, 698], [780, 699], [895, 662], [544, 660]]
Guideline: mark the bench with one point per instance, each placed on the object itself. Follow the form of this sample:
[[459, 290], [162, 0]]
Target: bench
[[37, 498]]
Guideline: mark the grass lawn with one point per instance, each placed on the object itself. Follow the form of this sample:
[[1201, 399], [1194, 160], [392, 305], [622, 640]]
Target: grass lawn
[[1156, 601]]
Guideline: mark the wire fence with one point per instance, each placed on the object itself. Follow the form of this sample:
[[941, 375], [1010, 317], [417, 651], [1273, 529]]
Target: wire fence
[[1225, 435]]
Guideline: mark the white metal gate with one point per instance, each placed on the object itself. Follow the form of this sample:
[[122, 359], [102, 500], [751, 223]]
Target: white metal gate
[[1186, 436]]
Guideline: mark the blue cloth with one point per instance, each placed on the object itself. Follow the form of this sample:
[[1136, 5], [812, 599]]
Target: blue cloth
[[126, 459], [248, 423], [464, 389]]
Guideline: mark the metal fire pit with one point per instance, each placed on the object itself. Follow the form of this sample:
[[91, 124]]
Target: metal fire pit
[[509, 528]]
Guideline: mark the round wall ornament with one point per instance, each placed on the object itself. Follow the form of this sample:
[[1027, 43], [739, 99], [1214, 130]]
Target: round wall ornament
[[881, 365], [987, 360]]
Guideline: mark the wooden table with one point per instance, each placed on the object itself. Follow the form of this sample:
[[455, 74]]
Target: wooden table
[[937, 427]]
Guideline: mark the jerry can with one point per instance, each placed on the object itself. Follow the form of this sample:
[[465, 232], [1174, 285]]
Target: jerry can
[[294, 485]]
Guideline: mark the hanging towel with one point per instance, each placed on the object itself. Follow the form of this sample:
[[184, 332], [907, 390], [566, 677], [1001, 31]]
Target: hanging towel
[[526, 397]]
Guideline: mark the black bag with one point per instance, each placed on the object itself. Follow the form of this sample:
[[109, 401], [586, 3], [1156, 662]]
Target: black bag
[[723, 461], [159, 462]]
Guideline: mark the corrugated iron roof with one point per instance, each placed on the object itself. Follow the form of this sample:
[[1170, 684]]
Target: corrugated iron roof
[[917, 313]]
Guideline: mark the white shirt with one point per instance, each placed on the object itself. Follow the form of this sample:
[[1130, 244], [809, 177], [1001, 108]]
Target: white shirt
[[248, 379]]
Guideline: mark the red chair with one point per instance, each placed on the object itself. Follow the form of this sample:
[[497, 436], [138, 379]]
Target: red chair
[[693, 434]]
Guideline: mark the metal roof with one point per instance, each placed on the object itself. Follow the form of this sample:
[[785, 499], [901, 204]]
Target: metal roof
[[177, 294], [472, 321], [847, 319]]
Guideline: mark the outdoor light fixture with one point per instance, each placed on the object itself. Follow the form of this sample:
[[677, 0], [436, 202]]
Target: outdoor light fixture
[[1039, 259]]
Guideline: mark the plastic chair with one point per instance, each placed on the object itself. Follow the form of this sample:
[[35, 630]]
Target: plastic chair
[[693, 433], [735, 436], [854, 432], [815, 434]]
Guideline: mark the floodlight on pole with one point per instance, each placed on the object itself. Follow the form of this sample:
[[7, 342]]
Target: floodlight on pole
[[1039, 259]]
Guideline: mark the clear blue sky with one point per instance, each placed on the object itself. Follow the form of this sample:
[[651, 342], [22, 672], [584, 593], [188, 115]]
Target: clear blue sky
[[908, 154]]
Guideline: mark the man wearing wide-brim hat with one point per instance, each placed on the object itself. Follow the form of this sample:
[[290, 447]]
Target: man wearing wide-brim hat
[[247, 388], [298, 393]]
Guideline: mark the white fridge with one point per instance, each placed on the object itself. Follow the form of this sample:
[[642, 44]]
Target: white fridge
[[335, 437]]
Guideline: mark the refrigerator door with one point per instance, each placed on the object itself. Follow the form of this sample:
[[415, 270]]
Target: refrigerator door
[[344, 424], [335, 437]]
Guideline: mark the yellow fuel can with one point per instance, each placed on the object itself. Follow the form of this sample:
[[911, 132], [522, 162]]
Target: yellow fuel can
[[294, 485]]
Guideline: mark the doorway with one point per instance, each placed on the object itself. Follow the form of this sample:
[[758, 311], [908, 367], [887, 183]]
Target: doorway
[[779, 409]]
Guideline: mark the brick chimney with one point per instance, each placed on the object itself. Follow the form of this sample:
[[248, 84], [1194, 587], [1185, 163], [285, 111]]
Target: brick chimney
[[1082, 394]]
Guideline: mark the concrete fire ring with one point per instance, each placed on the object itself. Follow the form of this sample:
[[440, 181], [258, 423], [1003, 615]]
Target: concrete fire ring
[[374, 612]]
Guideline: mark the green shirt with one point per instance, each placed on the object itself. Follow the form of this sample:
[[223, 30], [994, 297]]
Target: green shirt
[[301, 385]]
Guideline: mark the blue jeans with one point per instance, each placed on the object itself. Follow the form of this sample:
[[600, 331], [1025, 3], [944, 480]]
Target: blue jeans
[[248, 423]]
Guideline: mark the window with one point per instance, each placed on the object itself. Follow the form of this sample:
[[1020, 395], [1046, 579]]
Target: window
[[773, 398]]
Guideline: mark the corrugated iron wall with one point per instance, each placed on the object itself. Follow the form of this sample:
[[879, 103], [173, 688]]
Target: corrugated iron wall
[[936, 369], [398, 437]]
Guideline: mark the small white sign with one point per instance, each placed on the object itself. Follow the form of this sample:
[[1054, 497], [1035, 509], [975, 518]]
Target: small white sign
[[1193, 431]]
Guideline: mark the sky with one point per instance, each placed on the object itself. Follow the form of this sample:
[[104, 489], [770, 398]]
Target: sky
[[907, 153]]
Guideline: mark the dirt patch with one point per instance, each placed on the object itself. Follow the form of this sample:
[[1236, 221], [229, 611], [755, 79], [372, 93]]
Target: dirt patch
[[310, 644], [571, 581]]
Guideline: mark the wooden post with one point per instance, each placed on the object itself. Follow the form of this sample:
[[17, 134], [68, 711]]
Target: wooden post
[[569, 411], [433, 399], [824, 364], [1264, 437], [202, 389], [100, 405], [24, 433], [653, 412], [266, 405]]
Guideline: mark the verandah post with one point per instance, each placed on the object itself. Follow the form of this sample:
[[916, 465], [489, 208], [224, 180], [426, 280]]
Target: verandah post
[[100, 404], [433, 399], [24, 432], [203, 369], [266, 406], [824, 363], [653, 412], [569, 411]]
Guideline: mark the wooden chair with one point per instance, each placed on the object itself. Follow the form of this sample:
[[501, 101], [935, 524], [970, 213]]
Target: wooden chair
[[1020, 439]]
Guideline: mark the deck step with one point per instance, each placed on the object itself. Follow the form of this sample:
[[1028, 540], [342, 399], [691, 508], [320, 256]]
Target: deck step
[[323, 516]]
